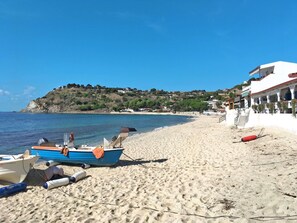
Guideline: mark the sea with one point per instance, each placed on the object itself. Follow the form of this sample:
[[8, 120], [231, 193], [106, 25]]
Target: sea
[[20, 131]]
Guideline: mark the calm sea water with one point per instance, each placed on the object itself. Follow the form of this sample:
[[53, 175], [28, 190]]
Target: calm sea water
[[20, 131]]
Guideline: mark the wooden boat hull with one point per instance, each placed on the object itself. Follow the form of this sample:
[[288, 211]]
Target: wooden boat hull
[[15, 170], [78, 156]]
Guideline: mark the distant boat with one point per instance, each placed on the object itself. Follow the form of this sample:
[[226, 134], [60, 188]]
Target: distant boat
[[106, 155], [14, 168]]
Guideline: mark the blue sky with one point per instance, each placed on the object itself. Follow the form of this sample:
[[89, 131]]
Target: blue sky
[[165, 44]]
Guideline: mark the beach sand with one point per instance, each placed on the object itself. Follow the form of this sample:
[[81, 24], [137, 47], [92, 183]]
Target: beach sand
[[193, 172]]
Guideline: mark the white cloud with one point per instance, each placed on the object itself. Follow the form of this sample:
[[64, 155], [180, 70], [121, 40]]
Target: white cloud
[[29, 90], [4, 93]]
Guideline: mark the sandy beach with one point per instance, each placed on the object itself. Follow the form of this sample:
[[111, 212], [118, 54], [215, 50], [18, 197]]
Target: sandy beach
[[194, 172]]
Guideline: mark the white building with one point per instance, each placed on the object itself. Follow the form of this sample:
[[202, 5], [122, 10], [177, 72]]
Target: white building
[[273, 91], [213, 104], [276, 83]]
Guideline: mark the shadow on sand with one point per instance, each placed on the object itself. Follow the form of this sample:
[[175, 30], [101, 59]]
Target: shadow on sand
[[137, 162], [37, 177]]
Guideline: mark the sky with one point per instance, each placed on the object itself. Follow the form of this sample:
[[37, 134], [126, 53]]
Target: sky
[[171, 45]]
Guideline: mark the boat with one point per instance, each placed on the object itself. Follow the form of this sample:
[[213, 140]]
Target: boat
[[106, 155], [14, 168]]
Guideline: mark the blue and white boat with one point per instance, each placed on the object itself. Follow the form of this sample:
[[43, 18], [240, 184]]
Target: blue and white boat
[[106, 155]]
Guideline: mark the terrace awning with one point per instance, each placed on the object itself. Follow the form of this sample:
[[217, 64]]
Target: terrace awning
[[263, 70], [245, 94]]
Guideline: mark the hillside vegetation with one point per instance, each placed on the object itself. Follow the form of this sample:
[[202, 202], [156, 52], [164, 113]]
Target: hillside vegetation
[[81, 98]]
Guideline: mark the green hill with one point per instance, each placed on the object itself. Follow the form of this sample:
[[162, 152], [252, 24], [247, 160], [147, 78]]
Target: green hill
[[81, 98]]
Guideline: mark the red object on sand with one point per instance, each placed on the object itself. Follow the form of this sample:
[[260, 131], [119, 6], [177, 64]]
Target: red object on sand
[[249, 138]]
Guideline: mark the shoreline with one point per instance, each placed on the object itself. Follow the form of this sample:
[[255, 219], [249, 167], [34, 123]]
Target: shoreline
[[117, 113], [193, 172], [96, 127]]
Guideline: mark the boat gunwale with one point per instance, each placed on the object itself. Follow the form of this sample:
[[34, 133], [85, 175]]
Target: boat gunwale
[[19, 159], [52, 148]]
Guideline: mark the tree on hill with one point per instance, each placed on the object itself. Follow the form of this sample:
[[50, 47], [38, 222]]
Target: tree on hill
[[76, 97]]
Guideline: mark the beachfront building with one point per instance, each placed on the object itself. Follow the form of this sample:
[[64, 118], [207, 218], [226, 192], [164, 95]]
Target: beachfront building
[[269, 100], [277, 84]]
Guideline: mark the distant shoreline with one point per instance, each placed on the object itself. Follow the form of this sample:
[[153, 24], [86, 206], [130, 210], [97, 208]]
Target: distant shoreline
[[117, 113]]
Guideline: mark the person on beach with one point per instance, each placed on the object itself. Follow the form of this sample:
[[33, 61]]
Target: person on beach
[[71, 140]]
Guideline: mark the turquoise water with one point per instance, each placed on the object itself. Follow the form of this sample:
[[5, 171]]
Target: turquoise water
[[20, 131]]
